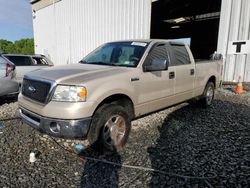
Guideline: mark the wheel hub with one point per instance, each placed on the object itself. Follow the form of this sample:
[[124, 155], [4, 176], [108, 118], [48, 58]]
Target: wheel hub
[[210, 95], [114, 130]]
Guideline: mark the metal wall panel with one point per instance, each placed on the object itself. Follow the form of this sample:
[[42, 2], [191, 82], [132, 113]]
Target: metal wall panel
[[68, 30], [234, 26]]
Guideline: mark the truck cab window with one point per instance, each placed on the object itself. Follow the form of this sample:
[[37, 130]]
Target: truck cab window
[[158, 52], [180, 55], [40, 61]]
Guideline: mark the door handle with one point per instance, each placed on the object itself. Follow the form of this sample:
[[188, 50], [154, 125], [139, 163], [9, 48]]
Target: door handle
[[191, 71], [135, 79], [171, 75]]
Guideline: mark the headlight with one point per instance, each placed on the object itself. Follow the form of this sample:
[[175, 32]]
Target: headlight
[[70, 93]]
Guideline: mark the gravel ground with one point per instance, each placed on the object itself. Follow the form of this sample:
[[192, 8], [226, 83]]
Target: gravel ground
[[185, 145]]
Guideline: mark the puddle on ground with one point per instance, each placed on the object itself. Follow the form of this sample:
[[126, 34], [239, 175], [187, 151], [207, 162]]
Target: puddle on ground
[[1, 127], [230, 89]]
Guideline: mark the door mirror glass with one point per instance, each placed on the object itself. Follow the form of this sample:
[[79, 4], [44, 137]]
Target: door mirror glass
[[156, 65]]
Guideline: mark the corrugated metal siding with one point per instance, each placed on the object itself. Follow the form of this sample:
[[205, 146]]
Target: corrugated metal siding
[[234, 25], [68, 30]]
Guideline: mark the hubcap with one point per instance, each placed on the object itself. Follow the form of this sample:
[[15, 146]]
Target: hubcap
[[114, 130], [210, 95]]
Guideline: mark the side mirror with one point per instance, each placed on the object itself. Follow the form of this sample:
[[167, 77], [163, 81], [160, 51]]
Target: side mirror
[[156, 65]]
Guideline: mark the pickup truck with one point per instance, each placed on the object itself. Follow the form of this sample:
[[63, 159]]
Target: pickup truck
[[97, 98]]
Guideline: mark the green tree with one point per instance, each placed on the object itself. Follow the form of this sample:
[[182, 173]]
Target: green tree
[[6, 46], [22, 46]]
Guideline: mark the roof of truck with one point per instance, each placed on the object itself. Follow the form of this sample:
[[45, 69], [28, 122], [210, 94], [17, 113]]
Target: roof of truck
[[150, 40]]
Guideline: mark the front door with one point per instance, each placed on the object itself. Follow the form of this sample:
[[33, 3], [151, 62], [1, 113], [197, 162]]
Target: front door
[[156, 88]]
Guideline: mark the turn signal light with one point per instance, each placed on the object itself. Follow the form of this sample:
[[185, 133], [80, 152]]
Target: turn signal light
[[82, 92]]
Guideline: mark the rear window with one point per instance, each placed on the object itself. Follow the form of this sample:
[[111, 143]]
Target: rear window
[[181, 56], [40, 61], [20, 60]]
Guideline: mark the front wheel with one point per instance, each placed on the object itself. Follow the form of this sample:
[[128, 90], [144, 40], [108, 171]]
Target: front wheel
[[208, 95], [115, 126]]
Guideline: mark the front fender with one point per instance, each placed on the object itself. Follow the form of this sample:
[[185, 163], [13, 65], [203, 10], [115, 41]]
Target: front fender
[[104, 90]]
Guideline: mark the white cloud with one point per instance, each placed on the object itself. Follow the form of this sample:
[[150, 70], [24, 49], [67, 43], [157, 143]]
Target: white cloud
[[16, 12]]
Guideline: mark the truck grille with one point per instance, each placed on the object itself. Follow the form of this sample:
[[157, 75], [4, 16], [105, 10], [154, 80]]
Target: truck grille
[[36, 90]]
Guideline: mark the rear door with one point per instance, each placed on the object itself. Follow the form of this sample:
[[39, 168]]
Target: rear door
[[184, 72]]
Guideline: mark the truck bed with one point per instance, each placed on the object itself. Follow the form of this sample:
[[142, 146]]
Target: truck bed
[[207, 67]]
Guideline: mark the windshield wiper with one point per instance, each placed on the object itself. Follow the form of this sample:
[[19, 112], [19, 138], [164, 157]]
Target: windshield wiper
[[82, 61], [119, 65], [104, 63], [100, 63], [124, 65]]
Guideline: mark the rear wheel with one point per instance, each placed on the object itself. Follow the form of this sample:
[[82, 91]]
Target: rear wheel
[[208, 95], [115, 126]]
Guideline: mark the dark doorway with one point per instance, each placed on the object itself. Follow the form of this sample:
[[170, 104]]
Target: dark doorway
[[193, 19]]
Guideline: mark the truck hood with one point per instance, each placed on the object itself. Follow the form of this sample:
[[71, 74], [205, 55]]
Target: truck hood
[[76, 73]]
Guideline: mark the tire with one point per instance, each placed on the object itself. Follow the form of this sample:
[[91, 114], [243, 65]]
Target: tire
[[110, 127], [208, 95]]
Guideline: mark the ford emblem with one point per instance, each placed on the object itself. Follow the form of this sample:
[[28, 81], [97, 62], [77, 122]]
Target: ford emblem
[[32, 89]]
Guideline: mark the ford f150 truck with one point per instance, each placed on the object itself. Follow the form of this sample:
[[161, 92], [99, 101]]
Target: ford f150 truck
[[97, 98]]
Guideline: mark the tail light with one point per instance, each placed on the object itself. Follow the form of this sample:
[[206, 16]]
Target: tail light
[[9, 68]]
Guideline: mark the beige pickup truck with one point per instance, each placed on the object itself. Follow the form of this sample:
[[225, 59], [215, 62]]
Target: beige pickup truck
[[97, 98]]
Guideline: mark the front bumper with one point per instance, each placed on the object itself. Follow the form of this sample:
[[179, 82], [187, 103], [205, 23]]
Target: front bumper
[[71, 129]]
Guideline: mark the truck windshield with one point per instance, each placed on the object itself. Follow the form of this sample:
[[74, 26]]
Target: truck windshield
[[126, 54]]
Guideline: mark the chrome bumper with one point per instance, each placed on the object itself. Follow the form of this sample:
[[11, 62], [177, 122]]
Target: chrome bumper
[[71, 129]]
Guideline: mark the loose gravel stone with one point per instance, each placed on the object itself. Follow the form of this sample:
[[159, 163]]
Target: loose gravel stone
[[183, 143]]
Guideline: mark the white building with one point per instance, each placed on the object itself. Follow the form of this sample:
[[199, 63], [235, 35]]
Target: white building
[[66, 30]]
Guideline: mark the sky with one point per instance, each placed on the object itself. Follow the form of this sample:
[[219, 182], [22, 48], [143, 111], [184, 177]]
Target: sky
[[15, 19]]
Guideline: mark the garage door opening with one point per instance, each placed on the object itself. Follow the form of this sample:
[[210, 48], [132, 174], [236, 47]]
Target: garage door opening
[[193, 21]]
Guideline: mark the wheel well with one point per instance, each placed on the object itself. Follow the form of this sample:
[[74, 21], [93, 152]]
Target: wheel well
[[122, 100], [213, 80]]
